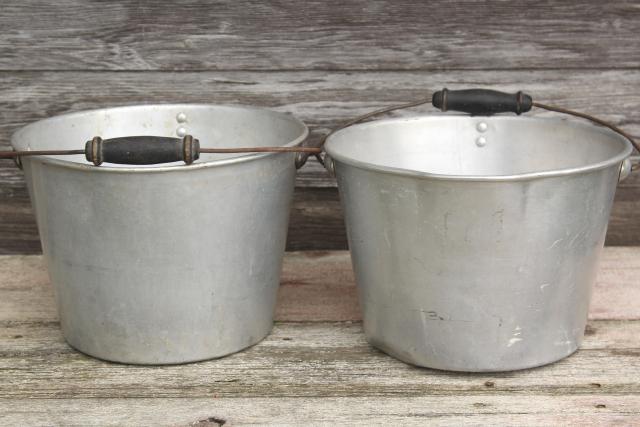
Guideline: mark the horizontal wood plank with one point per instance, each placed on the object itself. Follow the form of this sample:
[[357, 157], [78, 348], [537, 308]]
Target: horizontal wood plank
[[322, 100], [498, 409], [311, 370], [315, 287], [304, 360], [326, 62], [327, 35]]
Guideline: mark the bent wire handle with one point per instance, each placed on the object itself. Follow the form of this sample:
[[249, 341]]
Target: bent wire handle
[[486, 102], [128, 150], [302, 157], [473, 101], [148, 150], [357, 120], [616, 129]]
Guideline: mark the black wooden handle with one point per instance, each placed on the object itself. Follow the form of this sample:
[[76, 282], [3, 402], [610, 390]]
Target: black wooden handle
[[142, 150], [483, 102]]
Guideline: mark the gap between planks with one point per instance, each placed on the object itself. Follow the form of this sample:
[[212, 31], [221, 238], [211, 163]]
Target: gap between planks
[[310, 370], [498, 409], [323, 100], [306, 360]]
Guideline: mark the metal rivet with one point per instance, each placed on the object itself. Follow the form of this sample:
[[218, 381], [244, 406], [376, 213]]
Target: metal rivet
[[181, 131], [481, 141], [181, 117], [482, 127]]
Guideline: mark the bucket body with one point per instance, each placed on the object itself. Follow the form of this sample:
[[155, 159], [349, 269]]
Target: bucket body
[[476, 254], [164, 264]]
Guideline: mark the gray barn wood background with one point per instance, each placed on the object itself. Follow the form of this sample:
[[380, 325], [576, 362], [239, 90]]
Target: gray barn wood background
[[324, 61]]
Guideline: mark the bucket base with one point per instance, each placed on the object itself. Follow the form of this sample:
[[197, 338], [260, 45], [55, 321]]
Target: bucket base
[[478, 368], [150, 361]]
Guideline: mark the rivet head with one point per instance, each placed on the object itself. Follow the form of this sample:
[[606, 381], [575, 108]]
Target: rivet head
[[181, 117], [482, 127], [481, 141], [181, 132]]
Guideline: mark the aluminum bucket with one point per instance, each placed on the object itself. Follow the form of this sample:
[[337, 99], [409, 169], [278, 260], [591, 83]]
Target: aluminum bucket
[[164, 264], [475, 240]]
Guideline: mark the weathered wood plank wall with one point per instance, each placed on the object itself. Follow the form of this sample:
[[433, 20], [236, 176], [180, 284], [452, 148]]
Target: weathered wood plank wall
[[323, 61]]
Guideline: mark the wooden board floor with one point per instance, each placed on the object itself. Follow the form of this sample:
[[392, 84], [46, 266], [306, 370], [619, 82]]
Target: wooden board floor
[[315, 367]]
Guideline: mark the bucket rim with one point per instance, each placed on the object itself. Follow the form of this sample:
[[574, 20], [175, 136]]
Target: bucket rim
[[618, 158], [107, 168]]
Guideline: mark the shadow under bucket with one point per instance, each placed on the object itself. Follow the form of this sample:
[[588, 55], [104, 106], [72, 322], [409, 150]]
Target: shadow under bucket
[[475, 240]]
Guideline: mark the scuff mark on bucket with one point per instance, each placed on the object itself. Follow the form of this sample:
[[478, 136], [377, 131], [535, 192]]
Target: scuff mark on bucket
[[514, 340], [434, 315], [554, 244], [498, 217], [446, 223], [517, 332], [385, 233]]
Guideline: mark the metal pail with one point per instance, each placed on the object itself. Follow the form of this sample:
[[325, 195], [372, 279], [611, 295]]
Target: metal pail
[[164, 264], [475, 240]]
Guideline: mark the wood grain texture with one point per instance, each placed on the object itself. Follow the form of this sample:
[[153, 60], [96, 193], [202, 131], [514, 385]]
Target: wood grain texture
[[303, 360], [312, 368], [596, 409], [356, 35], [325, 62], [322, 100]]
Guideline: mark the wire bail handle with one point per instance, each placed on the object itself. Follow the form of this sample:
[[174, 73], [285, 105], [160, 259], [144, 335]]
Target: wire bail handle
[[481, 102], [139, 150]]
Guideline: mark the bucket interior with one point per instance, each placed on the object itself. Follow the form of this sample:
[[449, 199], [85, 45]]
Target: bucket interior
[[477, 146], [214, 126]]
